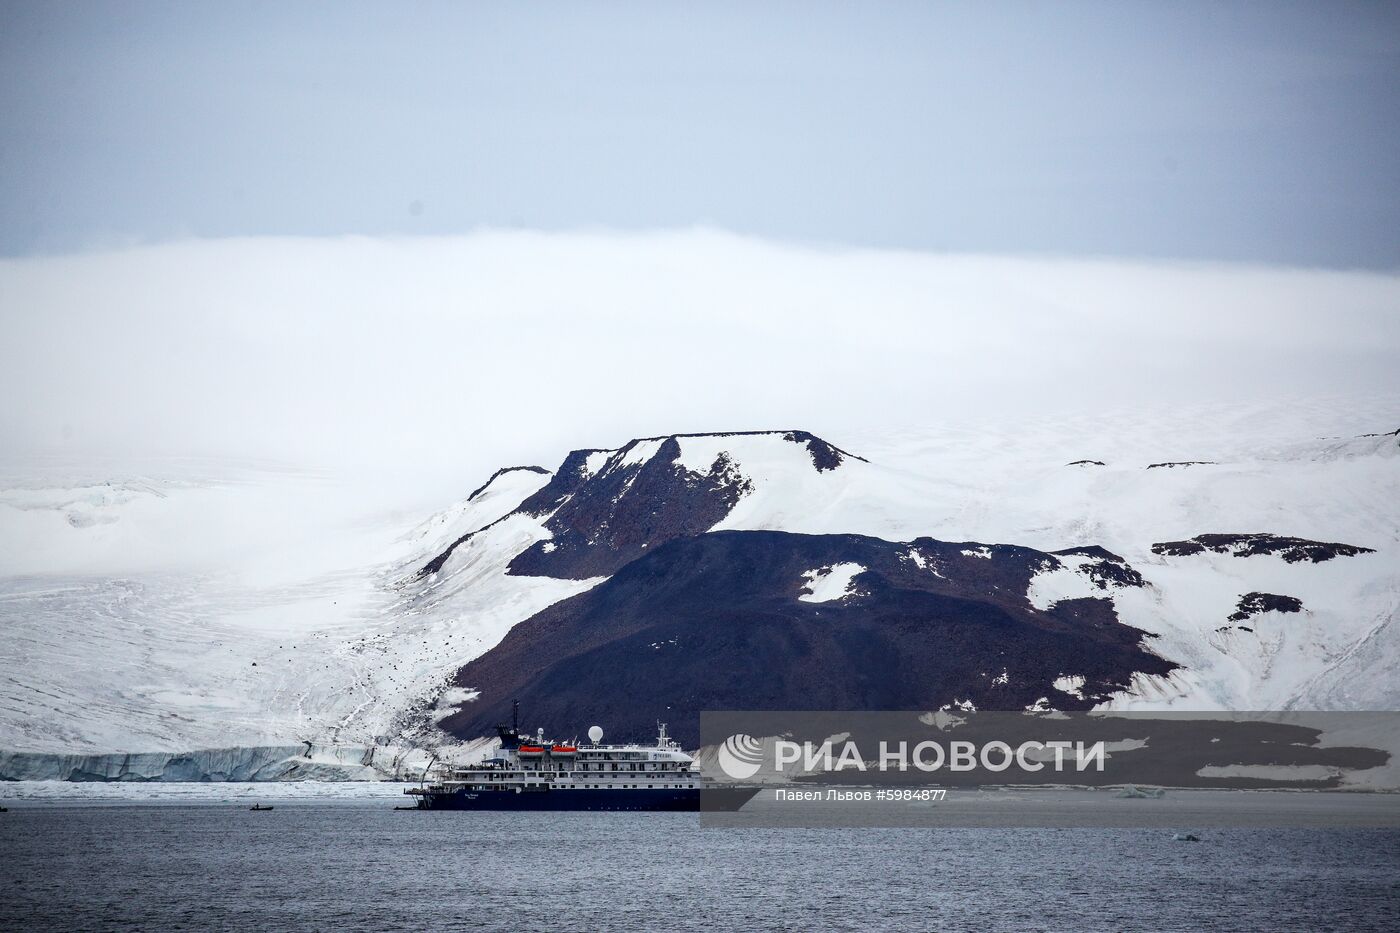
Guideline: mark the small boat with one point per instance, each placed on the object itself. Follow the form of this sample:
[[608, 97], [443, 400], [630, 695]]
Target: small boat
[[258, 806], [1186, 837]]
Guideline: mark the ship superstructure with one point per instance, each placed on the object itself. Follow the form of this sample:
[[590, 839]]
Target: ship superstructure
[[534, 773]]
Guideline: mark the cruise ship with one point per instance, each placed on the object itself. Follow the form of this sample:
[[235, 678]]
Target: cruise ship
[[533, 773]]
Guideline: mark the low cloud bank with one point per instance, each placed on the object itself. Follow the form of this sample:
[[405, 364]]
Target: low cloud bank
[[468, 352]]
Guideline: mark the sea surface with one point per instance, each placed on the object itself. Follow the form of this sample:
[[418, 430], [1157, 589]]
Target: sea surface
[[359, 865]]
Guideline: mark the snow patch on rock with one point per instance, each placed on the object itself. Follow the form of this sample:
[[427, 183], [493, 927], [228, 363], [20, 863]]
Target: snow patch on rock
[[825, 584], [594, 462], [1072, 684], [1065, 581]]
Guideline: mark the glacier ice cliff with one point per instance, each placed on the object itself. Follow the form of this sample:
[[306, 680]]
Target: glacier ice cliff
[[302, 762]]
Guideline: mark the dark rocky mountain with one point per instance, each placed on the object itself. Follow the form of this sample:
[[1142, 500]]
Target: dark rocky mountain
[[1253, 604], [1292, 550], [688, 619], [719, 621], [633, 498], [611, 520], [1104, 568]]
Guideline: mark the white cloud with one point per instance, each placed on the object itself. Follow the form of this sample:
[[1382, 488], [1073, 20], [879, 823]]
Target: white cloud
[[467, 352]]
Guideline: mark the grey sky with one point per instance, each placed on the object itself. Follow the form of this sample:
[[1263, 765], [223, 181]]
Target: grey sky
[[1262, 132]]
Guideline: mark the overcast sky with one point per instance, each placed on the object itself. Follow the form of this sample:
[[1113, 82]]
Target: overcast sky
[[447, 237], [1226, 131]]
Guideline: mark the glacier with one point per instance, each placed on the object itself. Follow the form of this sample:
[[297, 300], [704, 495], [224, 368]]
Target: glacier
[[263, 763]]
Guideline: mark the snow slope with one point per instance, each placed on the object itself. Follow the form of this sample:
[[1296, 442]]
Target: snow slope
[[242, 608]]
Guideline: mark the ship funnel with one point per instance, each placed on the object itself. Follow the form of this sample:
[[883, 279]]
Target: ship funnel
[[595, 734]]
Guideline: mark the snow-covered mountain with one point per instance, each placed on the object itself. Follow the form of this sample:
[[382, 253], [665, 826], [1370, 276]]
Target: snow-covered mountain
[[1257, 581], [1077, 565]]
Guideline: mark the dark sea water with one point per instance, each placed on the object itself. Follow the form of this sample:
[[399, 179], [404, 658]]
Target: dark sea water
[[361, 866]]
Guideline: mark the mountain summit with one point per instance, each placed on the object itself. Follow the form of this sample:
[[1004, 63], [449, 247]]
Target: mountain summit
[[604, 508]]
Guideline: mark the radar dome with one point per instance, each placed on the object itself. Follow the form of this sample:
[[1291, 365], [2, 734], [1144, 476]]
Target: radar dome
[[595, 734]]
